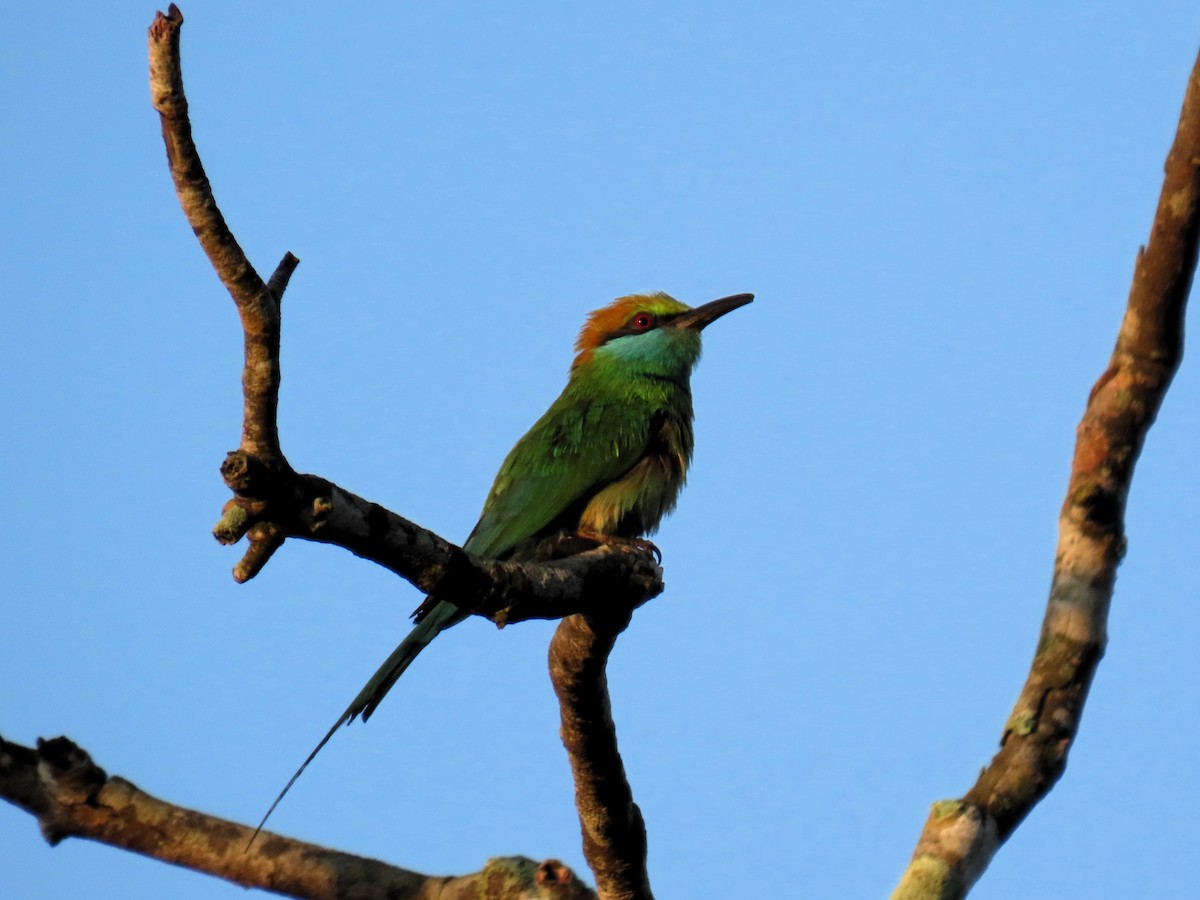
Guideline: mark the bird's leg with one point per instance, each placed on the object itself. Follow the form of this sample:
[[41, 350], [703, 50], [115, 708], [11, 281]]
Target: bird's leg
[[636, 543]]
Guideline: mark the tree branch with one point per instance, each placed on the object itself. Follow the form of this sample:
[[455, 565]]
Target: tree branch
[[73, 797], [280, 502], [272, 502], [257, 305], [961, 836], [614, 834]]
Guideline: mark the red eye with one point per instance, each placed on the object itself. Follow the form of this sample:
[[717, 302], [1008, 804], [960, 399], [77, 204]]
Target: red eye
[[642, 322]]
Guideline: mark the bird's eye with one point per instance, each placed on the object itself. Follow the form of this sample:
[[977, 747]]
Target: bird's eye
[[642, 322]]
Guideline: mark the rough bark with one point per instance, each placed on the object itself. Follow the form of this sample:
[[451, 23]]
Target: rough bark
[[73, 797], [961, 836], [307, 506], [272, 502], [614, 834]]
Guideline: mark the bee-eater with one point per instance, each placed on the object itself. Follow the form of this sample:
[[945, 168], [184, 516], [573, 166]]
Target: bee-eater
[[607, 460]]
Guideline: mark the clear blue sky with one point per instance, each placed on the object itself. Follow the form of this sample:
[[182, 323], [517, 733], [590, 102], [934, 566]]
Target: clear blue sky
[[938, 208]]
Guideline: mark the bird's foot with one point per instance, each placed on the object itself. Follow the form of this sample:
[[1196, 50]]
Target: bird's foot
[[636, 543]]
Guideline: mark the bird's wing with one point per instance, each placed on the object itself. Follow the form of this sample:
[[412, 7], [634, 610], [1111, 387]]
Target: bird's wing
[[576, 448]]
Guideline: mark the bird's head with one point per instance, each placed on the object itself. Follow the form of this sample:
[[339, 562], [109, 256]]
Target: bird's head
[[649, 333]]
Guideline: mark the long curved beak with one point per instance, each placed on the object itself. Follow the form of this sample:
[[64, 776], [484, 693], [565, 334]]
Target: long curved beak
[[696, 319]]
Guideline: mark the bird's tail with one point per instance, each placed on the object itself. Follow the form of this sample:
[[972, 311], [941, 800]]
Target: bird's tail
[[440, 616]]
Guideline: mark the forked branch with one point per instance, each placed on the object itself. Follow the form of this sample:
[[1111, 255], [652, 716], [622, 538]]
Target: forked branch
[[272, 502]]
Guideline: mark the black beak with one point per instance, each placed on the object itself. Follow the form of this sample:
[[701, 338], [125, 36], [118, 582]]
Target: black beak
[[696, 319]]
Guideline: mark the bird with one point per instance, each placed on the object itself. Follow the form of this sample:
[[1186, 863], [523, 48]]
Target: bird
[[605, 463]]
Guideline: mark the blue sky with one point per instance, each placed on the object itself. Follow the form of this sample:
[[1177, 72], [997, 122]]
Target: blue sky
[[938, 208]]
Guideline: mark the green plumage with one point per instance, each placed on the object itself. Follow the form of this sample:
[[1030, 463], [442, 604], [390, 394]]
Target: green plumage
[[608, 458], [590, 440]]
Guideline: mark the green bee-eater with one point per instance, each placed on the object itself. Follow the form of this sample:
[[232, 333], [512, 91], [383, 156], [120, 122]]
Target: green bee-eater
[[607, 460]]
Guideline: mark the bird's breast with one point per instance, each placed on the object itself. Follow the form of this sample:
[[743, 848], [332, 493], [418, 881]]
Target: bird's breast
[[634, 504]]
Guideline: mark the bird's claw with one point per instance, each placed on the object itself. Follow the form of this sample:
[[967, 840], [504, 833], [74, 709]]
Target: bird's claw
[[635, 543], [644, 544]]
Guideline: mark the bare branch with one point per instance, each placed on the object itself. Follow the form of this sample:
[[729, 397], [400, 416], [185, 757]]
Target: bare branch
[[281, 276], [961, 836], [272, 502], [73, 797], [312, 508], [257, 304], [614, 834]]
